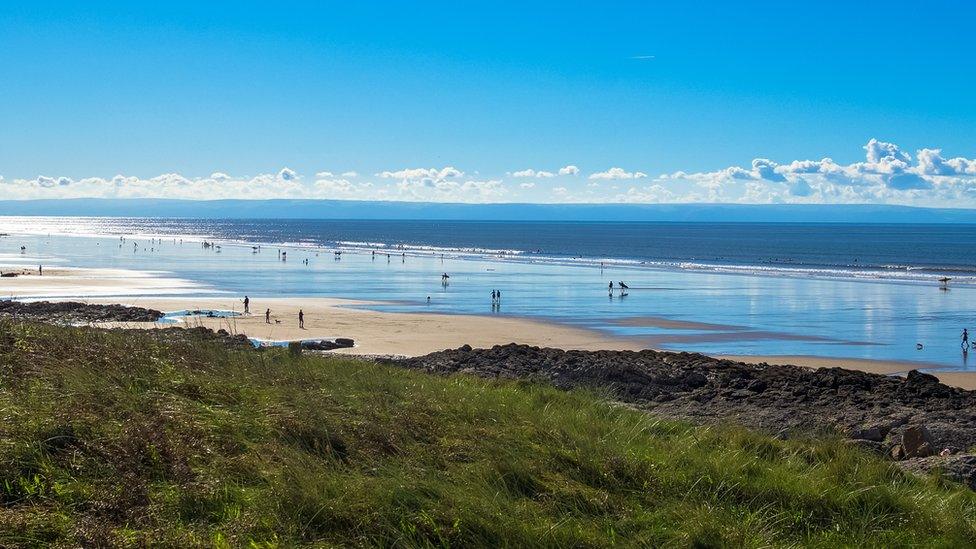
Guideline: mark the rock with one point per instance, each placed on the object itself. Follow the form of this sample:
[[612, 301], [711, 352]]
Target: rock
[[326, 345], [915, 376], [917, 441], [70, 312], [897, 452], [959, 468], [869, 445], [872, 434]]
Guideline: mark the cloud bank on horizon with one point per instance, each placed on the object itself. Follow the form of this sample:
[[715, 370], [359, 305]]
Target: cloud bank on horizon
[[888, 175]]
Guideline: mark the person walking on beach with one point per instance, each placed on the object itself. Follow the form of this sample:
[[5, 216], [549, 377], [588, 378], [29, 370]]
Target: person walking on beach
[[301, 319], [267, 316], [40, 270], [247, 305], [965, 338]]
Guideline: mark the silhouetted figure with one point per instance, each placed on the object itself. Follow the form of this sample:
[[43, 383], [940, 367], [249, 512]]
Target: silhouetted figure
[[301, 319], [247, 305], [965, 338], [611, 287], [267, 316]]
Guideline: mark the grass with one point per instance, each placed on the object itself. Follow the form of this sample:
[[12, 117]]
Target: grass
[[112, 438]]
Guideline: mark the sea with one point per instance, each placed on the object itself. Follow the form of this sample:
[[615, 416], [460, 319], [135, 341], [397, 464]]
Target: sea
[[868, 291]]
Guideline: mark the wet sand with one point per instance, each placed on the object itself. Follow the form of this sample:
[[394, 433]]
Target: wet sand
[[63, 282]]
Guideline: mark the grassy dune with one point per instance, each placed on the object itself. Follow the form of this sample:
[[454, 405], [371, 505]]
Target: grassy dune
[[124, 439]]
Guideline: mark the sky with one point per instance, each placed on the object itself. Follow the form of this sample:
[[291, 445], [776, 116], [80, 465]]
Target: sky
[[756, 102]]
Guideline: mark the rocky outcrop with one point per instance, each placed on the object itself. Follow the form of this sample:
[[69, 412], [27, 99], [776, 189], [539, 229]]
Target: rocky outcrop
[[908, 419], [327, 344], [70, 312]]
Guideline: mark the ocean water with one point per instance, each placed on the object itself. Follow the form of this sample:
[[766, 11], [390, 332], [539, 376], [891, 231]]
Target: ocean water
[[861, 291]]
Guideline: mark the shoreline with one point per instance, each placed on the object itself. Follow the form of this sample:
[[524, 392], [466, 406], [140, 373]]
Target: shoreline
[[378, 332]]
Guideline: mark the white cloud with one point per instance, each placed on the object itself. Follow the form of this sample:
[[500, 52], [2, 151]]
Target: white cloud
[[533, 173], [617, 173], [412, 174], [885, 175]]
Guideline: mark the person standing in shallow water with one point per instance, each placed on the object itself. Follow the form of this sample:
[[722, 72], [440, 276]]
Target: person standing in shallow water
[[301, 319], [965, 338]]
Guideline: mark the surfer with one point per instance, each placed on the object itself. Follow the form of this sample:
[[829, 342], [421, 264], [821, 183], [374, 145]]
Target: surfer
[[623, 286]]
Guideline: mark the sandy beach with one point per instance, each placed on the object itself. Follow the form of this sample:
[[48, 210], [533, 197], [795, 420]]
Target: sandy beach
[[375, 333], [415, 334]]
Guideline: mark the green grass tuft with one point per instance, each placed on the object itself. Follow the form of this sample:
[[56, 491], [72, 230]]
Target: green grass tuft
[[112, 438]]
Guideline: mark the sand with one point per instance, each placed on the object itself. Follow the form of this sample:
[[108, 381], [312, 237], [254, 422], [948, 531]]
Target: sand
[[63, 282], [377, 333]]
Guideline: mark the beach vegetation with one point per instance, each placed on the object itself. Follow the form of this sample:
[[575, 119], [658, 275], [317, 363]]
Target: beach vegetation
[[126, 438]]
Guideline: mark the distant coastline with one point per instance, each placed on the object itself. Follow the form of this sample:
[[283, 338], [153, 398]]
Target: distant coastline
[[399, 210]]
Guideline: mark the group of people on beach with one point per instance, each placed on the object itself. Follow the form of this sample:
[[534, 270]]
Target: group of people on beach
[[267, 313]]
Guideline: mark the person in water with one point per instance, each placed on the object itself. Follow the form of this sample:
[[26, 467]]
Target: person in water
[[247, 305], [301, 319], [965, 338], [611, 286]]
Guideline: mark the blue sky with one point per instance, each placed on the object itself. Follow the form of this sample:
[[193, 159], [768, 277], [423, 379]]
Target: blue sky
[[245, 90]]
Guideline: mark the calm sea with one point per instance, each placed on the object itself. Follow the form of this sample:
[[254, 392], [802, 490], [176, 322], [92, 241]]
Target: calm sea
[[906, 252], [861, 291]]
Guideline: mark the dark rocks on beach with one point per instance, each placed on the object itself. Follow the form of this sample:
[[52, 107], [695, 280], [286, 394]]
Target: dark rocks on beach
[[916, 441], [959, 468], [201, 333], [70, 312], [907, 419], [328, 345]]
